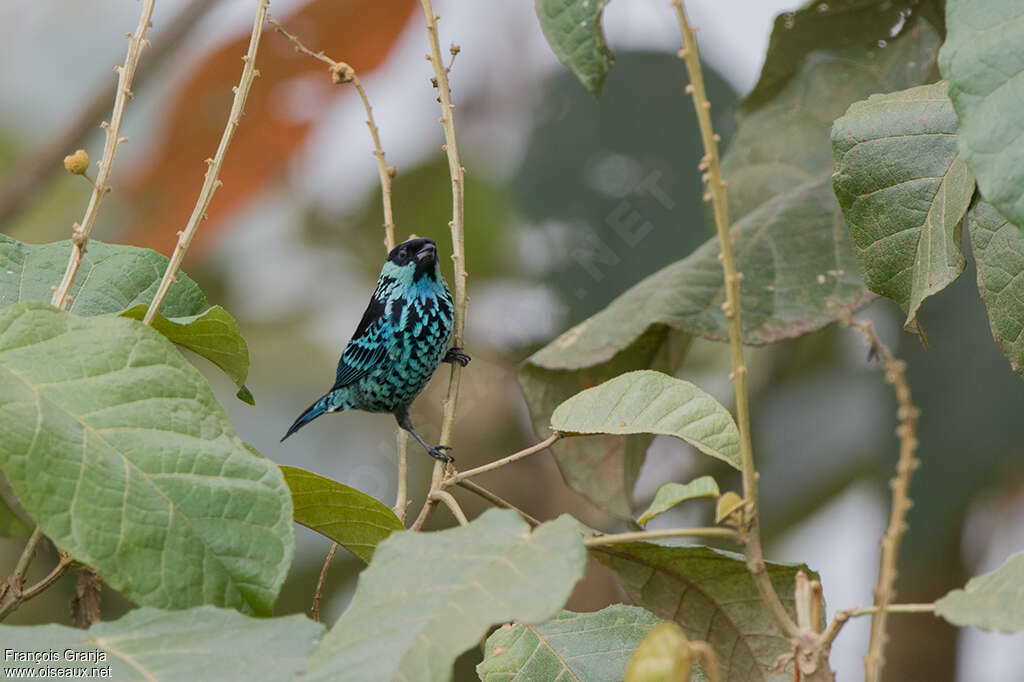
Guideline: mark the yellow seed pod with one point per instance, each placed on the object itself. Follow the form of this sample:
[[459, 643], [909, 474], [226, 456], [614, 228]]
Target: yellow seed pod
[[663, 656], [77, 163]]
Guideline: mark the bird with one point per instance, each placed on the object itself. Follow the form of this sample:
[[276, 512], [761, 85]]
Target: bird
[[402, 338]]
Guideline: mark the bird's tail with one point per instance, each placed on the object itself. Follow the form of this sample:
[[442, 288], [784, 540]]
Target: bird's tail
[[312, 412]]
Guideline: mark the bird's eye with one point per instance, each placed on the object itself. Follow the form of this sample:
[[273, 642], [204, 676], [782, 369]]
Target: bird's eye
[[403, 254]]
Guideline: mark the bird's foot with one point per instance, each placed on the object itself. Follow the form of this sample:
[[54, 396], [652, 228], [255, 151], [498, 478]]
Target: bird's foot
[[436, 453], [455, 354]]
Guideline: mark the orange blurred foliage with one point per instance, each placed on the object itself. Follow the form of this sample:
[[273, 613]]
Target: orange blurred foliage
[[163, 193]]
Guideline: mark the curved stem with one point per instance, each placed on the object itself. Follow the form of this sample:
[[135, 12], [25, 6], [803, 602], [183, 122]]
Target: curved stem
[[126, 73], [452, 504], [716, 194], [642, 535], [211, 181]]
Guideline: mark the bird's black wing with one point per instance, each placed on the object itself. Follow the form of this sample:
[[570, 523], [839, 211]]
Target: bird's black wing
[[368, 347]]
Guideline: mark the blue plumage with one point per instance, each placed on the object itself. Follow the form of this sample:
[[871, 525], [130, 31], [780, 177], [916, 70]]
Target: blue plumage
[[401, 340]]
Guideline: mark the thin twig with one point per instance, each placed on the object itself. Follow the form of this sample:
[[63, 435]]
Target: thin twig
[[30, 175], [211, 181], [457, 226], [80, 236], [12, 588], [643, 535], [497, 464], [341, 72], [894, 608], [732, 307], [906, 431], [320, 582], [496, 500], [452, 504]]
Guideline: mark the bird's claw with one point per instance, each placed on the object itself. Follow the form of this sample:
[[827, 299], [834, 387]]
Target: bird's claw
[[436, 453], [455, 354]]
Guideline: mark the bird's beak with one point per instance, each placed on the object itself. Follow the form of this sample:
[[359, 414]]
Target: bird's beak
[[428, 252]]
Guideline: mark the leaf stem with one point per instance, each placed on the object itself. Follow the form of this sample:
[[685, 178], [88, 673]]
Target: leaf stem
[[320, 582], [497, 464], [643, 535], [343, 73], [496, 501], [457, 225], [906, 431], [751, 536], [82, 231], [211, 181]]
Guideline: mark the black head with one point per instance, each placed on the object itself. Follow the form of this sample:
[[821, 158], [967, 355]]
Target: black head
[[420, 252]]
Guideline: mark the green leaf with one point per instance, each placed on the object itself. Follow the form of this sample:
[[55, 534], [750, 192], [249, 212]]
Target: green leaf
[[577, 646], [999, 251], [820, 25], [213, 334], [796, 244], [121, 280], [348, 516], [785, 142], [712, 596], [149, 645], [602, 468], [796, 263], [994, 601], [984, 65], [655, 403], [671, 494], [573, 30], [903, 189], [117, 447], [427, 597], [663, 656]]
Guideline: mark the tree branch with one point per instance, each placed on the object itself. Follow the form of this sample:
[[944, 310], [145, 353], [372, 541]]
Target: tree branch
[[320, 582], [80, 236], [497, 464], [751, 536], [457, 226], [906, 431], [211, 181]]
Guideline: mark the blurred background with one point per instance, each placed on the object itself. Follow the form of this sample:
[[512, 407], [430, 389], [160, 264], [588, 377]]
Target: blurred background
[[294, 243]]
